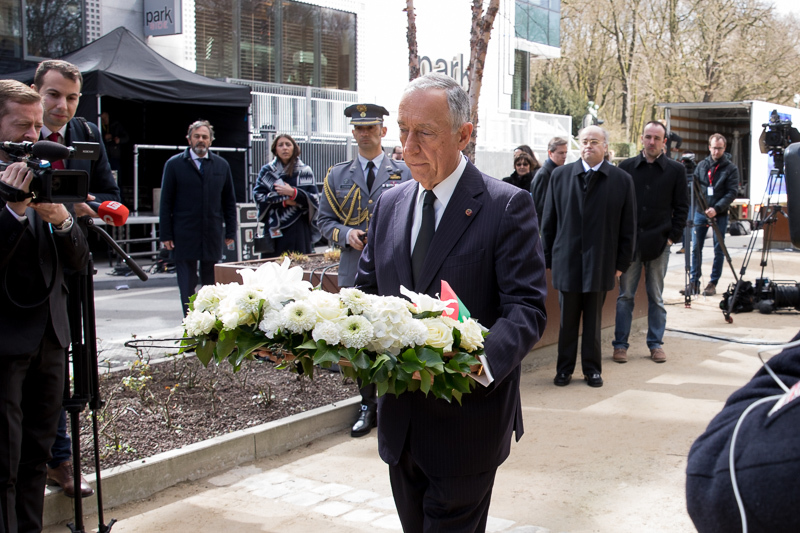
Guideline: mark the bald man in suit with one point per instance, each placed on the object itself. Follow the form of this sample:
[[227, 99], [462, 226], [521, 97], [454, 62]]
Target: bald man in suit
[[479, 234]]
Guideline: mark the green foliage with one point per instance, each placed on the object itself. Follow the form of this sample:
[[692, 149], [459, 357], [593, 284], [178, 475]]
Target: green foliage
[[549, 96]]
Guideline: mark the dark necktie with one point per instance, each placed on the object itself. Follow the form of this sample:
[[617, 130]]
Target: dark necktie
[[370, 175], [55, 137], [200, 166], [588, 178], [425, 236]]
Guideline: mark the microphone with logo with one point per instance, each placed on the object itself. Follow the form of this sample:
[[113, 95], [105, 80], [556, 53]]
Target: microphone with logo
[[112, 213]]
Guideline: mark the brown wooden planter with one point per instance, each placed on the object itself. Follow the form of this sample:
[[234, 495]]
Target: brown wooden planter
[[226, 273]]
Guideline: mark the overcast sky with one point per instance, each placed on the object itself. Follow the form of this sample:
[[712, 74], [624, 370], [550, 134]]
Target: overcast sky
[[786, 6]]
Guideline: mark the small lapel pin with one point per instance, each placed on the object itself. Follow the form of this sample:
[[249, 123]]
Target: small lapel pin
[[468, 212]]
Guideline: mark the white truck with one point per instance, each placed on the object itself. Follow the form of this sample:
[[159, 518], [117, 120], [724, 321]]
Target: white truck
[[742, 124]]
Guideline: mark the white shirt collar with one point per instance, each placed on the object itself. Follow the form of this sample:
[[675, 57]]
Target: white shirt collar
[[586, 166], [195, 157], [63, 131], [377, 162], [443, 191]]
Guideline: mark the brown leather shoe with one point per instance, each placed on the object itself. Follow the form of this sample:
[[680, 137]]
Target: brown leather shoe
[[620, 355], [658, 355], [710, 290], [62, 477]]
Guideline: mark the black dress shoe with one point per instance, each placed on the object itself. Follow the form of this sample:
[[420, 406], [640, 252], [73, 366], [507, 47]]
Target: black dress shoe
[[594, 380], [367, 419], [562, 380]]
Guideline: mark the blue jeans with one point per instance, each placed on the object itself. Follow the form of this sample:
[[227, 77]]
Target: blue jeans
[[701, 228], [654, 273]]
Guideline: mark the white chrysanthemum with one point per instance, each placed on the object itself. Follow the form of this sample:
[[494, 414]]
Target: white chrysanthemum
[[423, 302], [355, 300], [440, 335], [327, 331], [199, 323], [298, 317], [239, 307], [356, 332], [328, 306], [271, 323], [247, 299], [209, 296], [413, 333]]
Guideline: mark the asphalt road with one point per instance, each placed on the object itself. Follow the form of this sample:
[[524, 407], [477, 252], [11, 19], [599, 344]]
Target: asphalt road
[[136, 313]]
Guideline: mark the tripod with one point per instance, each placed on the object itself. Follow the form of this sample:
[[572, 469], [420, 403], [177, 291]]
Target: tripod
[[768, 216], [699, 197], [83, 350]]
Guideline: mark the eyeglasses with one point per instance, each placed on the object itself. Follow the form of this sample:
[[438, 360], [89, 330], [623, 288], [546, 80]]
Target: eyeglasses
[[590, 142]]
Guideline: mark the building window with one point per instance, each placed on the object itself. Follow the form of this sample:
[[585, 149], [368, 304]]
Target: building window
[[52, 27], [538, 21], [279, 41], [520, 94]]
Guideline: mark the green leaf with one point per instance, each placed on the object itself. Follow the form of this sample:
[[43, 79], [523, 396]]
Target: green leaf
[[429, 356], [362, 361], [205, 351], [383, 387], [226, 344], [308, 366], [426, 314], [309, 345], [326, 354], [409, 361], [425, 381]]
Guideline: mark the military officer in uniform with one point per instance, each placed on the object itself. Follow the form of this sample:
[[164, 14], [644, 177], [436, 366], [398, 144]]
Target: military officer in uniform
[[349, 195]]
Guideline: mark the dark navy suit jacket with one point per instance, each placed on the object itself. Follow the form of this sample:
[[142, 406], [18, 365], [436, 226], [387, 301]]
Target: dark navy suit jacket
[[487, 248]]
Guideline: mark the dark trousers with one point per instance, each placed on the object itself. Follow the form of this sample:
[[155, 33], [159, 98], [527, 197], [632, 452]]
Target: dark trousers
[[186, 271], [575, 305], [31, 387], [62, 447], [426, 503]]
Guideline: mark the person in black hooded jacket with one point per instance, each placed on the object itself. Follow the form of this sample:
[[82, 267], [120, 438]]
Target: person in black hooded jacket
[[766, 456]]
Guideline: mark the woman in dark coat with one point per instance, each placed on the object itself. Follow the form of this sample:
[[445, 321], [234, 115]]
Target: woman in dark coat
[[287, 199], [524, 169]]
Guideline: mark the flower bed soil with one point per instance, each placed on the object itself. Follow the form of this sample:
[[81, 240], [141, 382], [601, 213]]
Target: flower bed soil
[[153, 408]]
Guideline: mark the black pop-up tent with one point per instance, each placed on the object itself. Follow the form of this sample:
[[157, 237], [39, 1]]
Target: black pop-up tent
[[155, 100]]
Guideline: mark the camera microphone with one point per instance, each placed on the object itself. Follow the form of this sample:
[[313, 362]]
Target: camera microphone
[[51, 151], [13, 148], [112, 213]]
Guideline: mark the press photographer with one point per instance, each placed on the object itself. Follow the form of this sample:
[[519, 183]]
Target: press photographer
[[39, 240]]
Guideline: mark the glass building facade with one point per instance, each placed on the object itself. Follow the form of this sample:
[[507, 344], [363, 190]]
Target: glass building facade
[[277, 41], [538, 21]]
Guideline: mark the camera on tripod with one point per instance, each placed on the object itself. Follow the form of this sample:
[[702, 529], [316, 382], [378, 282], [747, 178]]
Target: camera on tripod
[[49, 185], [777, 134]]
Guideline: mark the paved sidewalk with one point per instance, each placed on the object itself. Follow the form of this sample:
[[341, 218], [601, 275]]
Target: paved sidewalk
[[591, 460]]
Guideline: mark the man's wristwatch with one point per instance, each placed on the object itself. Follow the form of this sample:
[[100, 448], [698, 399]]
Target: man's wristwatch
[[64, 225]]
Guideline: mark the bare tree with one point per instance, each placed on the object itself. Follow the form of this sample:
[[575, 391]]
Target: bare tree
[[480, 34], [411, 36]]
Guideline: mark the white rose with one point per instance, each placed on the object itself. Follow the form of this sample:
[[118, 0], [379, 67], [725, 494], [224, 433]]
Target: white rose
[[328, 306], [471, 335], [440, 335]]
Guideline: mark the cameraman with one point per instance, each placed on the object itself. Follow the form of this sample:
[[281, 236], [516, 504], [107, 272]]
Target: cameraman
[[38, 242]]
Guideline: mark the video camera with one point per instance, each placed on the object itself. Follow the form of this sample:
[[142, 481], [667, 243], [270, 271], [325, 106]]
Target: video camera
[[776, 136], [49, 185]]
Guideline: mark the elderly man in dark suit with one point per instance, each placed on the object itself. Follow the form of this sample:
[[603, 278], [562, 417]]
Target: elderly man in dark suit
[[479, 234], [39, 241], [588, 229], [197, 196]]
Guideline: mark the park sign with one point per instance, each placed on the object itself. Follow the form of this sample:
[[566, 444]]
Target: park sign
[[163, 17]]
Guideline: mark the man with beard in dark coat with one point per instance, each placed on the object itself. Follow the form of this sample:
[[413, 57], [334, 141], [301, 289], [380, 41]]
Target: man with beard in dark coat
[[661, 204], [197, 196], [589, 229]]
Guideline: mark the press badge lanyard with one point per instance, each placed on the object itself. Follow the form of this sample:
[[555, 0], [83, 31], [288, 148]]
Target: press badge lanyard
[[711, 174]]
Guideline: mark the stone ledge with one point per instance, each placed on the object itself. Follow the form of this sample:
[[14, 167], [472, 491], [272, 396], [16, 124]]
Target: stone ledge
[[143, 478]]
